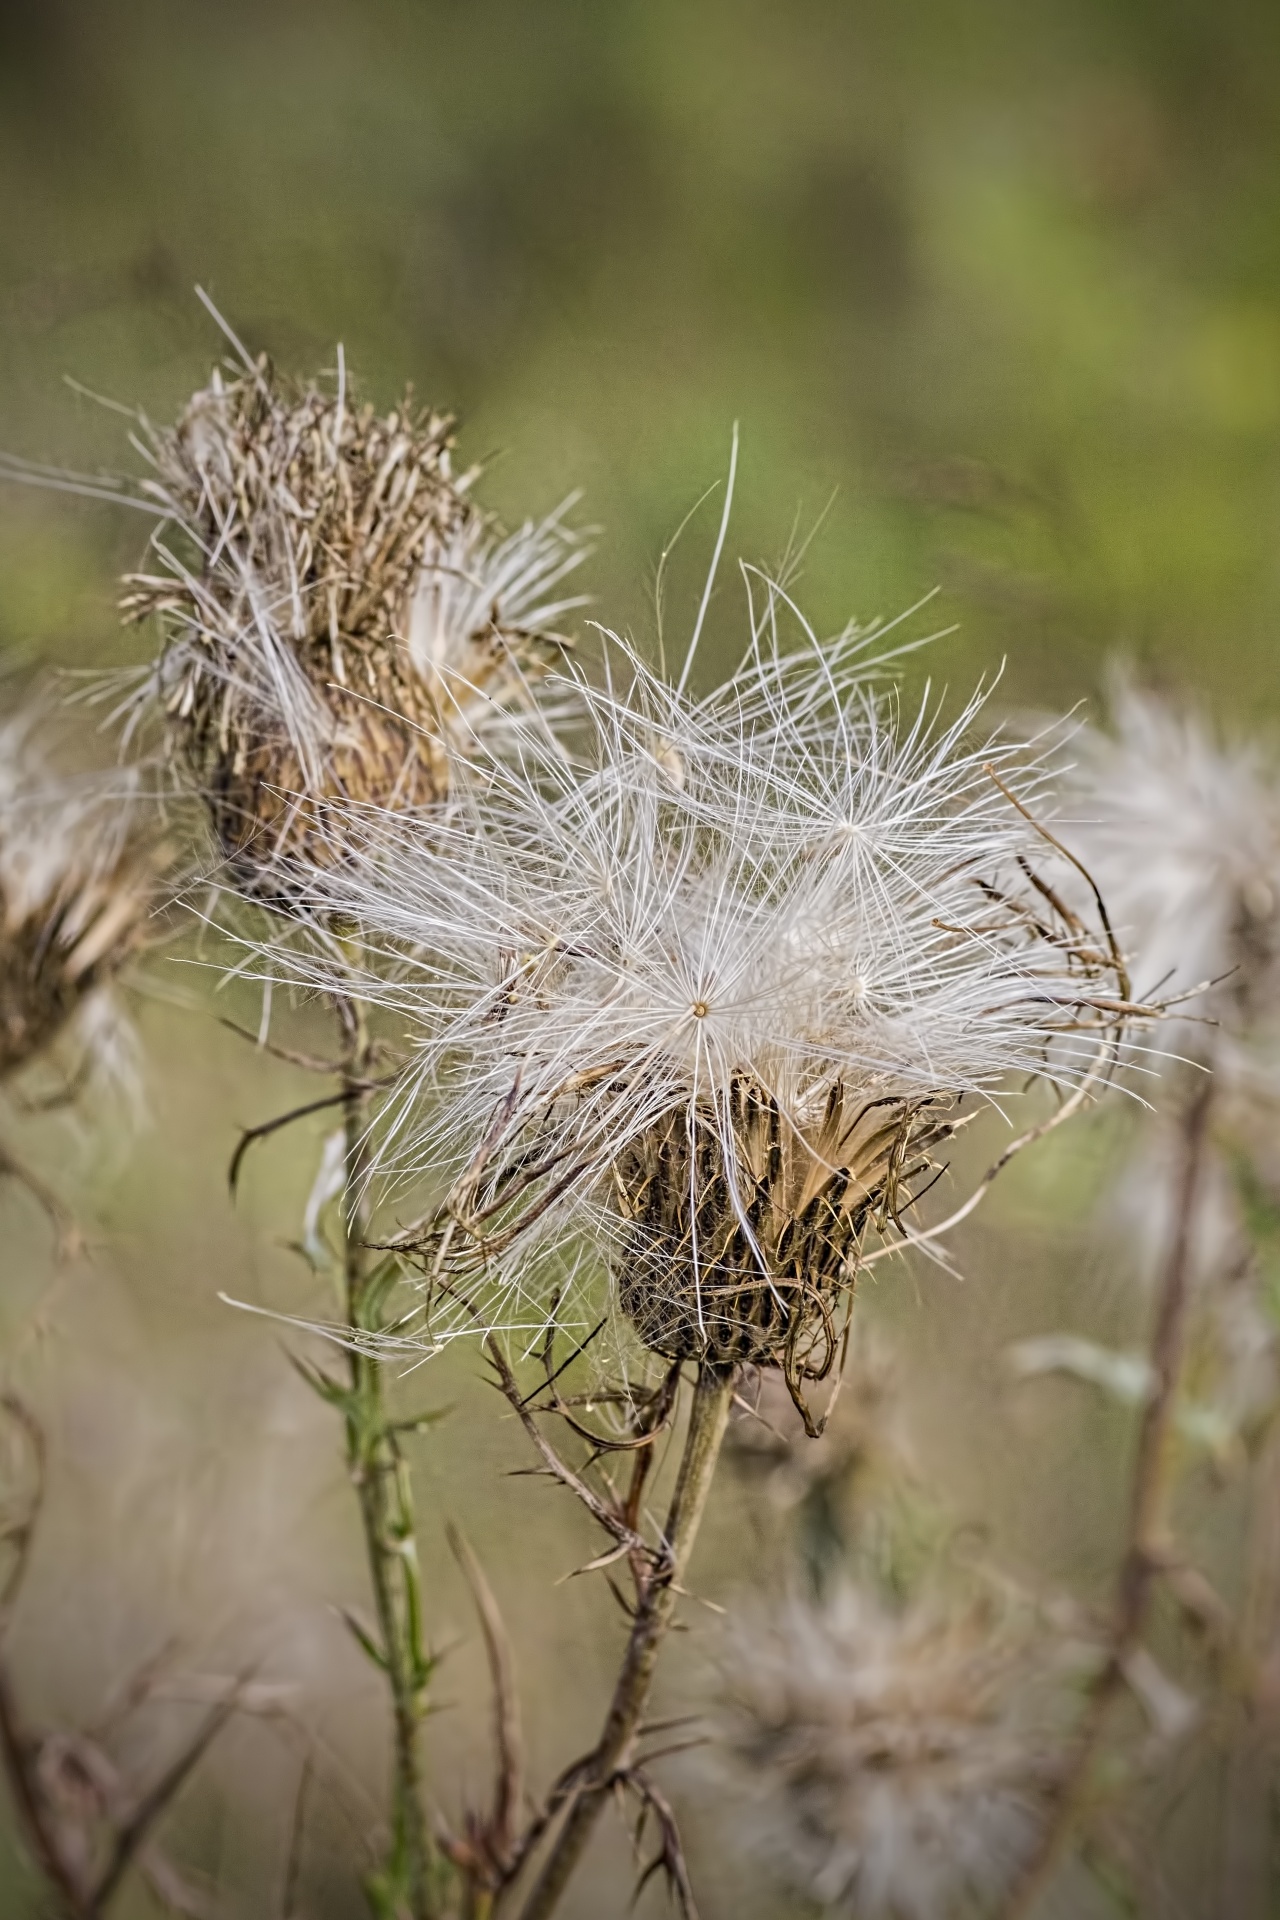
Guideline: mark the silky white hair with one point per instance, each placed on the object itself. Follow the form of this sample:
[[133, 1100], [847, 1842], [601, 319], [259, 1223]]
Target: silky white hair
[[786, 882], [889, 1764]]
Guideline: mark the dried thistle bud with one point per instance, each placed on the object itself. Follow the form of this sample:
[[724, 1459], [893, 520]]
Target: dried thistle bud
[[893, 1765], [338, 616], [750, 1259], [76, 889]]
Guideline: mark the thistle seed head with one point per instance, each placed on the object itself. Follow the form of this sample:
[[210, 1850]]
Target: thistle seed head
[[1184, 836], [889, 1765], [749, 1260], [716, 1025], [76, 889], [336, 613]]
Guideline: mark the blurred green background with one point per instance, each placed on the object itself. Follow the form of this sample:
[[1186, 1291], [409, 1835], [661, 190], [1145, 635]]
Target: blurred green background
[[1000, 283], [1004, 279]]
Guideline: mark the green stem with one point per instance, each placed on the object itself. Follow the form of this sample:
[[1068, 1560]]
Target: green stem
[[380, 1476], [615, 1753]]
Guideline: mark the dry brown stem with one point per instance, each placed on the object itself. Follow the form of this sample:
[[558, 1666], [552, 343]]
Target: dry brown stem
[[85, 1826], [1245, 1863], [1144, 1555], [614, 1765], [68, 1238]]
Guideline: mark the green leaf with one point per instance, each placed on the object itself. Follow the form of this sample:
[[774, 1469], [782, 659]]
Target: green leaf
[[420, 1422], [365, 1639], [335, 1393]]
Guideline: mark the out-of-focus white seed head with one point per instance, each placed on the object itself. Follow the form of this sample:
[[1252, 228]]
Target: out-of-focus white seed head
[[1182, 829], [335, 611], [888, 1765], [1183, 834]]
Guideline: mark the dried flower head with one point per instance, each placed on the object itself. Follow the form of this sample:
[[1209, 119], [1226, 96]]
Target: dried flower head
[[333, 609], [76, 889], [1183, 834], [1183, 830], [724, 1019], [888, 1765]]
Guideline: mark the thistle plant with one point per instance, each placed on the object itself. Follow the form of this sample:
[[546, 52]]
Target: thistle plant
[[699, 1006], [336, 615], [890, 1762], [335, 610], [1184, 833], [78, 873]]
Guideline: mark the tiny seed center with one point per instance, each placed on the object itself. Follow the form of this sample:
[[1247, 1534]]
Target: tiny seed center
[[700, 1009]]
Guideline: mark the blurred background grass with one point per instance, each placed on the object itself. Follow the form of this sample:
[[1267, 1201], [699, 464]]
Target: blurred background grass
[[1001, 284]]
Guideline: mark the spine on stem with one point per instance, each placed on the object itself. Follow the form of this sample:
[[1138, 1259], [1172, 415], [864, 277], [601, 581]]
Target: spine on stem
[[380, 1476], [615, 1752]]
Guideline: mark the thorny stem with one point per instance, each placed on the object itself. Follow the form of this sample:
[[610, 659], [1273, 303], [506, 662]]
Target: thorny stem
[[380, 1475], [615, 1751], [1144, 1552]]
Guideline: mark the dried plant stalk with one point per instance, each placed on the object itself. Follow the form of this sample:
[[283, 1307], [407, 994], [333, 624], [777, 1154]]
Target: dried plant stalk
[[1143, 1556], [614, 1755]]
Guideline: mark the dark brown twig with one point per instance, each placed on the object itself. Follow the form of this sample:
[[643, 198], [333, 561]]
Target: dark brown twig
[[658, 1574], [500, 1829], [669, 1859], [138, 1824], [293, 1863], [309, 1062], [249, 1136], [63, 1846], [601, 1510]]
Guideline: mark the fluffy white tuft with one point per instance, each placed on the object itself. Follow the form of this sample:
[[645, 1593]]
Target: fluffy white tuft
[[887, 1765], [1184, 836], [786, 886]]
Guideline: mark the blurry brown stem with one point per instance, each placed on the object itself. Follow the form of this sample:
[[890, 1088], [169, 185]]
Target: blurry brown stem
[[1245, 1865], [658, 1584], [61, 1847], [380, 1475], [1144, 1553], [508, 1739], [293, 1865], [19, 1753], [67, 1234], [133, 1831]]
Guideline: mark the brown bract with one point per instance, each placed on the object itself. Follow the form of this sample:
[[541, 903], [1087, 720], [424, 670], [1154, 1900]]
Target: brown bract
[[744, 1229], [57, 949]]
